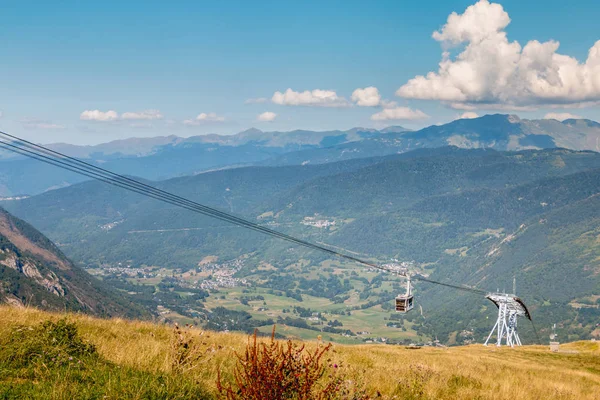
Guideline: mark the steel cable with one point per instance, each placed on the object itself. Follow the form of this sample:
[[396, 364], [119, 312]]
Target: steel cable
[[60, 160]]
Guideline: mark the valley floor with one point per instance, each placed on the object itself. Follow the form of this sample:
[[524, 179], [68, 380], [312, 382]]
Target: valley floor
[[385, 371]]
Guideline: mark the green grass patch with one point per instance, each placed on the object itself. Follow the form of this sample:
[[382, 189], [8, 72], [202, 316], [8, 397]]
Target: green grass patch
[[51, 361]]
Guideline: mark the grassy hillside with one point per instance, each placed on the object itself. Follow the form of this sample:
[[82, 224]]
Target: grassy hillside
[[128, 359]]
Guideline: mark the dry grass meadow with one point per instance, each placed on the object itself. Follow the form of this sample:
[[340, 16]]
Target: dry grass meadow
[[383, 371]]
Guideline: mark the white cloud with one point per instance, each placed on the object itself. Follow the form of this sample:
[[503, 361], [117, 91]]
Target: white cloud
[[562, 116], [367, 97], [492, 72], [204, 118], [310, 98], [97, 115], [210, 117], [267, 116], [468, 115], [143, 115], [32, 123], [258, 100], [399, 114]]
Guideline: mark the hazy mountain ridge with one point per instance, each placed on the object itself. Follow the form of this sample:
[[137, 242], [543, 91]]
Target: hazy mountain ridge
[[148, 146], [498, 132], [494, 131], [165, 157]]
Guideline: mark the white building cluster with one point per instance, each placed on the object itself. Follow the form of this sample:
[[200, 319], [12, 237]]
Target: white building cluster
[[317, 223]]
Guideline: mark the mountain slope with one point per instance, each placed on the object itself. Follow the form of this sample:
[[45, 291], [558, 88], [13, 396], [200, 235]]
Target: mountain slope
[[552, 250], [396, 190], [82, 214], [34, 272], [397, 182]]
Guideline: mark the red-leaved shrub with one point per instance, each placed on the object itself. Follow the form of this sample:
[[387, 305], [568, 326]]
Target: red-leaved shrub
[[278, 371]]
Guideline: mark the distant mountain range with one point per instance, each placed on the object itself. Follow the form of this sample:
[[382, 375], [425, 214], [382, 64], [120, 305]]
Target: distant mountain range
[[34, 272], [147, 146], [165, 157]]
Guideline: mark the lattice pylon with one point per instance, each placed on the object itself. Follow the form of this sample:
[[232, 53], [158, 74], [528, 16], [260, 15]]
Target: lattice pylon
[[505, 326]]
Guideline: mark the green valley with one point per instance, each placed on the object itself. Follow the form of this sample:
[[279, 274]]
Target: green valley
[[455, 215]]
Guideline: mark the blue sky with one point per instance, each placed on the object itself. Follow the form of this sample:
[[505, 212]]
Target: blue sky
[[160, 66]]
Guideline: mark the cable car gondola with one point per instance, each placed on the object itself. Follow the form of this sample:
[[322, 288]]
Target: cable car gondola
[[404, 302]]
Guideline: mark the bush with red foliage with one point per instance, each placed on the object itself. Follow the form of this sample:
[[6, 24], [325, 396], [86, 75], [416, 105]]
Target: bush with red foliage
[[278, 371]]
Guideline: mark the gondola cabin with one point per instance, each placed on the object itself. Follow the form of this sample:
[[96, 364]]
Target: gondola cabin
[[404, 302]]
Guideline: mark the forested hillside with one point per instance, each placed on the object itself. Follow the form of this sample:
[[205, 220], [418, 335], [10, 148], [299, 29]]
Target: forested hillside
[[34, 272], [475, 217]]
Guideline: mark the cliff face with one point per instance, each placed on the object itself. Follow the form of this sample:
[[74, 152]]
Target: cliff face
[[34, 272]]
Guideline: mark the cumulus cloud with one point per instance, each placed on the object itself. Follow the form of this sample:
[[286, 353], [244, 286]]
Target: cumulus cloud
[[267, 116], [468, 115], [492, 72], [210, 117], [204, 118], [97, 115], [562, 116], [310, 98], [257, 100], [142, 115], [399, 114], [32, 123], [367, 97]]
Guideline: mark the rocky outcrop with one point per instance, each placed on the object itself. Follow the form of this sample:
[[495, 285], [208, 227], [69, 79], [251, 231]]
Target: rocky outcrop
[[48, 280]]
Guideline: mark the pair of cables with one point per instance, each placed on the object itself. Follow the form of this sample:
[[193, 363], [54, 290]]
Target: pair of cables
[[43, 154]]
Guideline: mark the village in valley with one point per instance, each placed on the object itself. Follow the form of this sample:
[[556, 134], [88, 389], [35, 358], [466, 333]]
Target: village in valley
[[244, 288]]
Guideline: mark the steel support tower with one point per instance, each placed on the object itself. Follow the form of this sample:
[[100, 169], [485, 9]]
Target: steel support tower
[[509, 308], [506, 324]]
